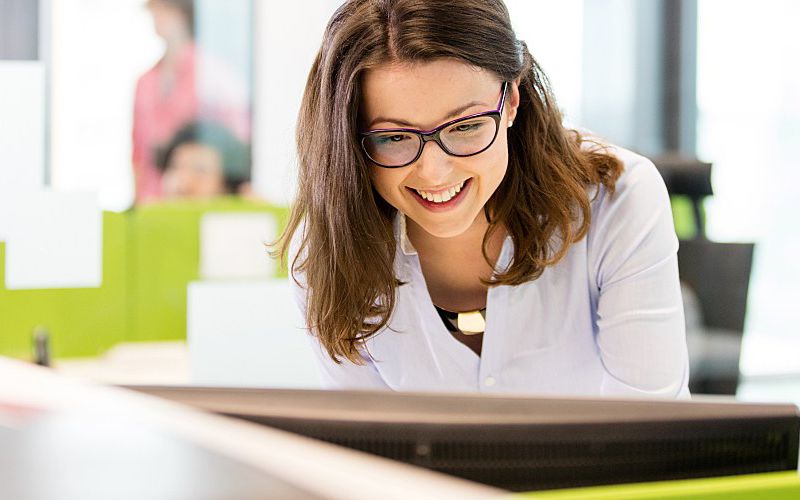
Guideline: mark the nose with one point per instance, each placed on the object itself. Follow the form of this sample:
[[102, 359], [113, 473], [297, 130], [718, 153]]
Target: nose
[[434, 165]]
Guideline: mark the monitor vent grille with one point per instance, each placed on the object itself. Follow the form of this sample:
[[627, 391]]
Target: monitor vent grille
[[540, 465], [527, 458]]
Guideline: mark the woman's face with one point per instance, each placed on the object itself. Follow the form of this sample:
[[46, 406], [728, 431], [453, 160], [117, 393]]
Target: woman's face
[[169, 21], [423, 96]]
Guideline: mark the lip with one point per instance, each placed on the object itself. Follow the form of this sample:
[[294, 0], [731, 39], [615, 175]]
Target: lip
[[444, 206]]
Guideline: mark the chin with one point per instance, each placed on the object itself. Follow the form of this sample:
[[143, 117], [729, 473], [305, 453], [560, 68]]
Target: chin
[[448, 230]]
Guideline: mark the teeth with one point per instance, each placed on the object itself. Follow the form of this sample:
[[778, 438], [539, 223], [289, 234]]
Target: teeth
[[441, 196]]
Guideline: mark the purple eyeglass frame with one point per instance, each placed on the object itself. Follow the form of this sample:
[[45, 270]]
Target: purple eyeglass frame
[[426, 136]]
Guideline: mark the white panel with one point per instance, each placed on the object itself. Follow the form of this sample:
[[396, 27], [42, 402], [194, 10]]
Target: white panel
[[21, 134], [99, 49], [280, 79], [54, 241], [233, 245], [609, 70], [538, 23], [248, 334]]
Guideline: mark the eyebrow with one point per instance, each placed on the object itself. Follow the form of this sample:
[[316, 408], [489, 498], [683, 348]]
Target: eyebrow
[[453, 114]]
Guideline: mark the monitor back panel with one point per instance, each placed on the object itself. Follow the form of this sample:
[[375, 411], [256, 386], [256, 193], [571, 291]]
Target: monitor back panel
[[525, 444]]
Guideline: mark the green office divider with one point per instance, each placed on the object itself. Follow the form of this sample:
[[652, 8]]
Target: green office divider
[[81, 321], [165, 254], [683, 215], [149, 256]]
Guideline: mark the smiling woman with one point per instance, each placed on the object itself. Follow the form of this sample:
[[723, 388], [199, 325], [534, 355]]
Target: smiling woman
[[443, 205]]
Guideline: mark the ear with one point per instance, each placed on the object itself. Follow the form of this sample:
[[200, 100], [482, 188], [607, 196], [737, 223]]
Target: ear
[[513, 99]]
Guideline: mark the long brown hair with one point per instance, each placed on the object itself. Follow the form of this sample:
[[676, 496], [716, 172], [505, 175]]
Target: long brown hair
[[346, 246]]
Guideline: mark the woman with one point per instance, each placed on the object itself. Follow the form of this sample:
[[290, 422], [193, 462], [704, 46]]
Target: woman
[[451, 235]]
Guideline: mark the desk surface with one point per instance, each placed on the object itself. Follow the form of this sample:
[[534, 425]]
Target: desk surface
[[74, 455]]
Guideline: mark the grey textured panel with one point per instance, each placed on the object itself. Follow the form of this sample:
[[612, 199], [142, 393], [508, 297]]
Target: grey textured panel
[[19, 29]]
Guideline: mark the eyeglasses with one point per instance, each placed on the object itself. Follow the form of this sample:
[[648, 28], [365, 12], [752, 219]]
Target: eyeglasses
[[466, 136]]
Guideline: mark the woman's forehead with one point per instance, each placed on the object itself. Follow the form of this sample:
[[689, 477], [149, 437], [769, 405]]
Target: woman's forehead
[[421, 95]]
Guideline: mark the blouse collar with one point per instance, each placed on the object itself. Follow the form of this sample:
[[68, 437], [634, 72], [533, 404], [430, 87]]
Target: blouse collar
[[401, 233]]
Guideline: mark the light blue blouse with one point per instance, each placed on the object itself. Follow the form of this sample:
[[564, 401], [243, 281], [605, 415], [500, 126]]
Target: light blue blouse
[[607, 320]]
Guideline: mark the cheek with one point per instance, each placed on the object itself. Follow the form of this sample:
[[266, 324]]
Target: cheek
[[502, 154], [501, 149], [494, 165], [214, 181], [387, 182], [501, 165]]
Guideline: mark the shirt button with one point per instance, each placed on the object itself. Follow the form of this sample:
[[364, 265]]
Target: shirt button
[[490, 381]]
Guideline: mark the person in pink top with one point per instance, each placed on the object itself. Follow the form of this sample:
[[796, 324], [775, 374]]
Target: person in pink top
[[172, 94]]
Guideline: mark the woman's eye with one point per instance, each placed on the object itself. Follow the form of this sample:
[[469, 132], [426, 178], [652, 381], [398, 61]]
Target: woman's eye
[[466, 127], [385, 139]]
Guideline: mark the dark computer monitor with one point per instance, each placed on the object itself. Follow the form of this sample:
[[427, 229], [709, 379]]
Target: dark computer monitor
[[521, 443]]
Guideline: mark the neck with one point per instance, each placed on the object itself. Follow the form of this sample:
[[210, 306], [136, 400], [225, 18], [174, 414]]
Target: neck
[[175, 45], [468, 244]]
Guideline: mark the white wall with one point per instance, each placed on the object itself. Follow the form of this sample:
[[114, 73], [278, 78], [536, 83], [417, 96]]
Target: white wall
[[52, 239], [287, 38], [748, 96], [99, 48], [609, 91], [553, 32]]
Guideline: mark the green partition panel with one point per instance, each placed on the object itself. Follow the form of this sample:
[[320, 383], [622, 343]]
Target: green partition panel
[[769, 486], [165, 253], [683, 215], [81, 321]]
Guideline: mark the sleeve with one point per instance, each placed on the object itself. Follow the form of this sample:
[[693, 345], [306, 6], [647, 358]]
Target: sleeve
[[633, 255], [138, 139], [344, 375]]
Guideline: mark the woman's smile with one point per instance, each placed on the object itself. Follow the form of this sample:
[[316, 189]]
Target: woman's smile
[[441, 200]]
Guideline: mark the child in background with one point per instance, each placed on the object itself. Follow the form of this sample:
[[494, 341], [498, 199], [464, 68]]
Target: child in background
[[204, 160]]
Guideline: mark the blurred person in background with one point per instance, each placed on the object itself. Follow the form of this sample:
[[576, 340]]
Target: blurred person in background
[[204, 160], [186, 84]]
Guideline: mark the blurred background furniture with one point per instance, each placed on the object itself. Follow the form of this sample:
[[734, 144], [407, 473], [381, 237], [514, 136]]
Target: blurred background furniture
[[150, 255], [714, 279]]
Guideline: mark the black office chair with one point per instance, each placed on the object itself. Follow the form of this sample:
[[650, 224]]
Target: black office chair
[[719, 275], [715, 280]]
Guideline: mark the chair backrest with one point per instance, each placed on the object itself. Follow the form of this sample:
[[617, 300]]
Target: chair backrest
[[720, 275]]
